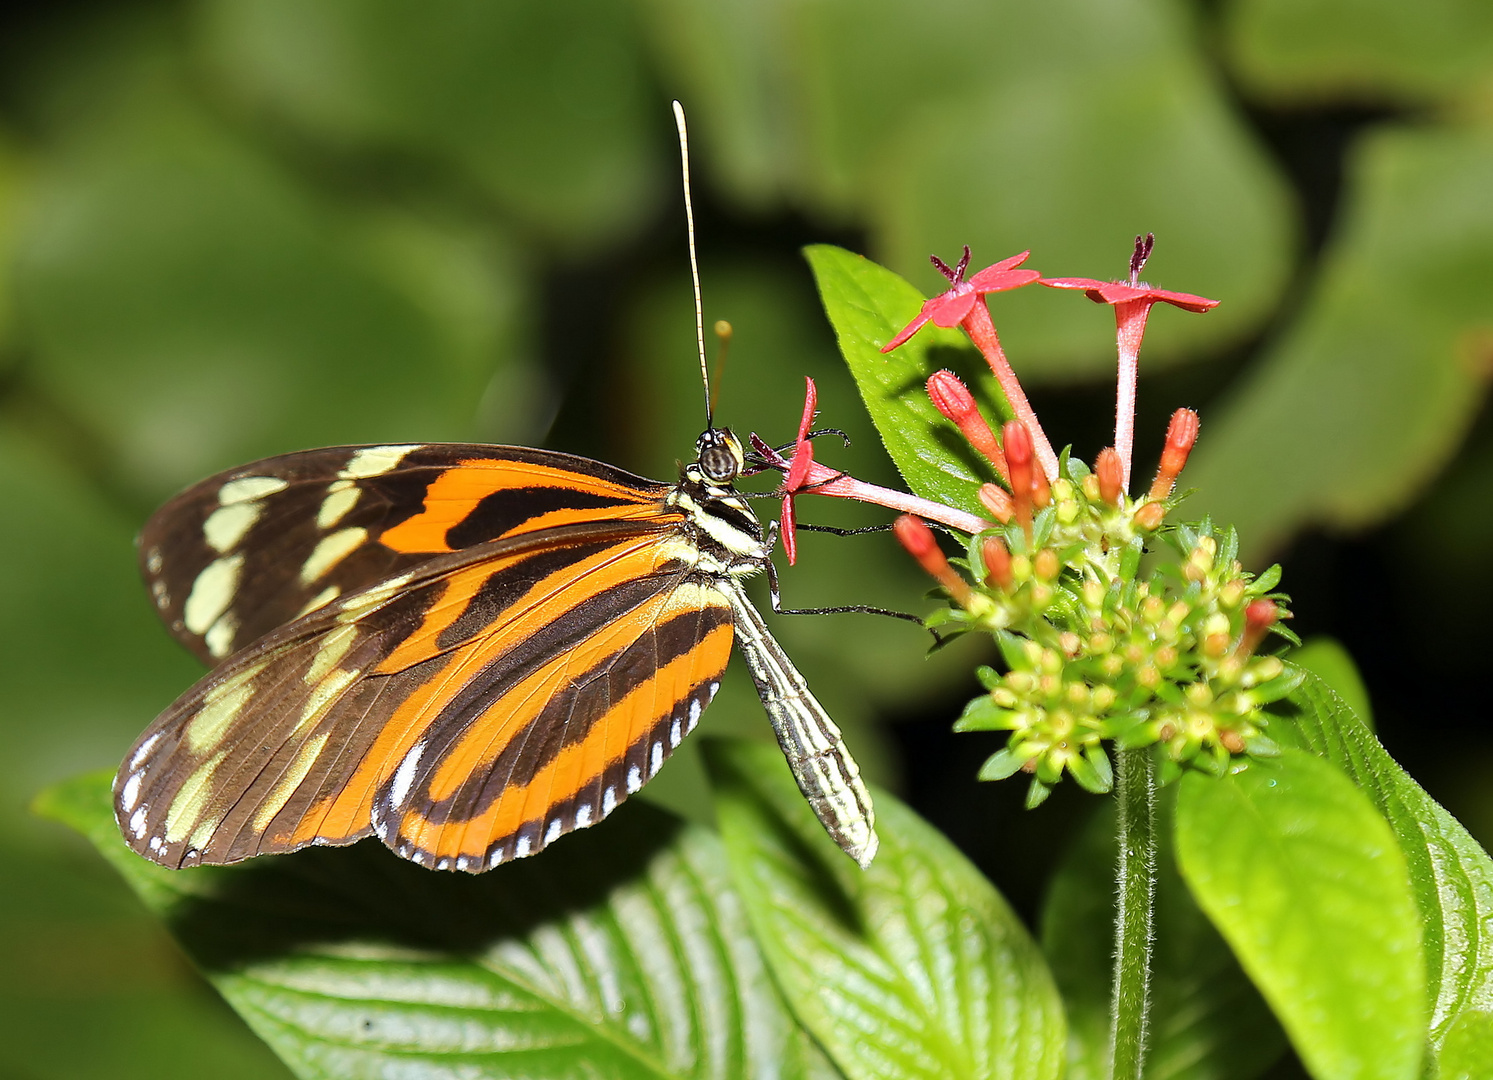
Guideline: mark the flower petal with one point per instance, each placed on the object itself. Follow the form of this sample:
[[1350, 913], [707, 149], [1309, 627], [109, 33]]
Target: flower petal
[[907, 331], [949, 309]]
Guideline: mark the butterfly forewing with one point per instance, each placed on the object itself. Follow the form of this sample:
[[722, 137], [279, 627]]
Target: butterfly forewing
[[242, 553], [470, 712]]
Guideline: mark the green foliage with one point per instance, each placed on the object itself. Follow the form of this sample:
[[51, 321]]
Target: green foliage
[[626, 955], [913, 968], [1304, 879]]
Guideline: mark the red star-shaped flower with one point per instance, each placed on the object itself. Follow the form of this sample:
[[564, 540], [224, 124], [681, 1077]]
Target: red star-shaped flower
[[949, 309], [1132, 301]]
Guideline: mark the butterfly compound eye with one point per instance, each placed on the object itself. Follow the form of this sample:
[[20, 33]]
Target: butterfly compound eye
[[721, 455]]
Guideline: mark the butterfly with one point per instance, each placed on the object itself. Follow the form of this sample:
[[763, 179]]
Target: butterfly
[[468, 651]]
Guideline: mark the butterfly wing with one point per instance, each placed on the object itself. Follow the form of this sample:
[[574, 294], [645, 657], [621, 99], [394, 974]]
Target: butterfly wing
[[471, 710], [244, 552]]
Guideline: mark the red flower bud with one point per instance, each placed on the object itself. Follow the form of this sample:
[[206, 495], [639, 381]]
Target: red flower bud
[[997, 500], [1259, 617], [1111, 473], [997, 563], [952, 398], [1181, 436], [1019, 457], [914, 535]]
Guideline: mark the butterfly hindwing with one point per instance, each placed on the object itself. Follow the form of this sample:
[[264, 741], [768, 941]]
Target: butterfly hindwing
[[470, 711], [242, 553]]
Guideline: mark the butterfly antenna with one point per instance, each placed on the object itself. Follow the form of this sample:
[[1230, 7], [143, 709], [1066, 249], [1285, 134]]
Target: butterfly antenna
[[694, 264]]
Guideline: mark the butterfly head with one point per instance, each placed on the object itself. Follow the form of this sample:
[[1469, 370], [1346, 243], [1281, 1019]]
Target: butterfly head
[[720, 455]]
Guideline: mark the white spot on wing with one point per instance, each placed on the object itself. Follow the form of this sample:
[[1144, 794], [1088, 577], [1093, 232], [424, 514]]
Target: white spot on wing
[[342, 496], [137, 823], [153, 561], [219, 636], [330, 551], [320, 600], [676, 732], [583, 815], [657, 760], [249, 488], [608, 800], [443, 863], [138, 758], [212, 592], [226, 525], [131, 792], [694, 715], [375, 461], [521, 848], [404, 777], [495, 858], [634, 779], [553, 833]]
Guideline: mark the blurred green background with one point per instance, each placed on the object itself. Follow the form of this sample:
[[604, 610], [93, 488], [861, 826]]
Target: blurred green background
[[233, 228]]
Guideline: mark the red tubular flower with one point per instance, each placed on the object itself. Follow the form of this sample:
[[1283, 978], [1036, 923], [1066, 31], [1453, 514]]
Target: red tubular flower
[[1019, 458], [961, 306], [1181, 436], [1132, 301], [952, 398], [1111, 475], [803, 474], [914, 535]]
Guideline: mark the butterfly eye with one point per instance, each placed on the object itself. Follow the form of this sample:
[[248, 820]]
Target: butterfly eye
[[721, 455]]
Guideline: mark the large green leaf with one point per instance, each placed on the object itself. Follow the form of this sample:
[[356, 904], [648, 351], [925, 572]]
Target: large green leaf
[[1304, 879], [998, 124], [543, 105], [1451, 874], [1208, 1021], [867, 304], [1361, 49], [621, 953], [193, 306], [1468, 1051], [913, 968], [1394, 337]]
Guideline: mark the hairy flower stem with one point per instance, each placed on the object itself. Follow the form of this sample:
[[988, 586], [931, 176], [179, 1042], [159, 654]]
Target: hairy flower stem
[[1135, 789]]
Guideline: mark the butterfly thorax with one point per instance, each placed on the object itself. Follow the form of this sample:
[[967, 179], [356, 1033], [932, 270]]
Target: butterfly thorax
[[718, 522]]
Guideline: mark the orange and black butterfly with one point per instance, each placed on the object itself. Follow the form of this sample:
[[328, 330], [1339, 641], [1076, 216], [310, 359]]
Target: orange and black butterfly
[[468, 651]]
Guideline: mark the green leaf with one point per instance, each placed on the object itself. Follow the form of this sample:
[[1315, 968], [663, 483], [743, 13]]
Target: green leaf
[[914, 968], [192, 305], [1353, 50], [1325, 658], [544, 105], [1394, 333], [867, 305], [623, 952], [1304, 879], [1451, 874], [1467, 1053], [1208, 1021]]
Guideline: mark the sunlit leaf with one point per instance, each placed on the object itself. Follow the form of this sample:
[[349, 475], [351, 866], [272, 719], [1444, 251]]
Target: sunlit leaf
[[1451, 874], [1325, 658], [867, 304], [623, 952], [913, 968], [1304, 879]]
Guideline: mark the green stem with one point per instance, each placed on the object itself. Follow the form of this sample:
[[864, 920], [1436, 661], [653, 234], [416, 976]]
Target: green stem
[[1135, 787]]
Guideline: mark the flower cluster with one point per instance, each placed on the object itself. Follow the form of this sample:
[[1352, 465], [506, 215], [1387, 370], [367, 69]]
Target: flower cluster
[[1099, 644]]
